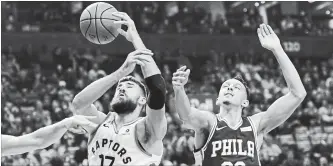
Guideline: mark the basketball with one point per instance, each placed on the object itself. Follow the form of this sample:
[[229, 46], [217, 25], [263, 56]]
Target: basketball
[[96, 23]]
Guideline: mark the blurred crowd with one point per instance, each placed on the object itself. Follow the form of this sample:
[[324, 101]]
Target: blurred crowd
[[38, 85], [158, 17]]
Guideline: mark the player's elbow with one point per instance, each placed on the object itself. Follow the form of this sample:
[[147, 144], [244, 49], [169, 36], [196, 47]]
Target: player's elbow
[[76, 103], [299, 94]]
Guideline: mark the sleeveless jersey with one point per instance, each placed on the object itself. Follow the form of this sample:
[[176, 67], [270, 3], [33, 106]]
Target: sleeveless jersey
[[228, 147], [109, 147]]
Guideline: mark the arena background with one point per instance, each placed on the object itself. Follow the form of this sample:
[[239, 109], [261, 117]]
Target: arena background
[[45, 61]]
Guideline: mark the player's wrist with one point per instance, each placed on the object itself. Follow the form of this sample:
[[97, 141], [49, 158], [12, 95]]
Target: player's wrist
[[68, 123], [277, 49]]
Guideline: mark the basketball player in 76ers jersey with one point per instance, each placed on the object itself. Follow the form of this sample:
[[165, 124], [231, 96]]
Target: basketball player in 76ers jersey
[[122, 137], [228, 139]]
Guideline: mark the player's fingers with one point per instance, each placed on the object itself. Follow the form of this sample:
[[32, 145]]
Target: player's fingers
[[144, 51], [266, 30], [119, 15], [121, 22], [139, 62], [262, 31], [136, 52], [270, 29], [89, 117], [125, 15], [178, 78], [175, 83], [145, 58], [122, 32], [182, 68], [77, 130], [259, 34], [179, 73], [187, 73]]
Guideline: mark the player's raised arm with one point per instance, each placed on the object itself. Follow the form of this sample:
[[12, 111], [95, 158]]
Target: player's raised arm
[[156, 121], [282, 108], [192, 117], [82, 102], [42, 137]]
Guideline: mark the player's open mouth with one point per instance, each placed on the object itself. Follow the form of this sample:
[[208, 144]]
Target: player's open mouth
[[230, 94], [121, 94]]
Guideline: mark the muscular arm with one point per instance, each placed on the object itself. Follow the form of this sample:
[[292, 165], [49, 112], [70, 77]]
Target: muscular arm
[[156, 121], [282, 108], [39, 139], [82, 102], [192, 117]]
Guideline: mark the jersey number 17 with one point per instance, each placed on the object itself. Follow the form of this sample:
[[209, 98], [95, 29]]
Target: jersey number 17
[[107, 158]]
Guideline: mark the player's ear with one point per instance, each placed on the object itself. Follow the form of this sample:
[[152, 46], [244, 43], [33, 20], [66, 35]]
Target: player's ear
[[142, 100], [245, 103], [218, 101]]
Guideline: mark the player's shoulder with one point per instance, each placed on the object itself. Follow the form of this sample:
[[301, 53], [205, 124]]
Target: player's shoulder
[[256, 117]]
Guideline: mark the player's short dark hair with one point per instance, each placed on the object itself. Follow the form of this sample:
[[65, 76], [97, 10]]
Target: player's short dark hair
[[133, 79], [240, 78]]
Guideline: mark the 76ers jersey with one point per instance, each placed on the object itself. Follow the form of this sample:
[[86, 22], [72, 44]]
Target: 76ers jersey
[[109, 147], [230, 147]]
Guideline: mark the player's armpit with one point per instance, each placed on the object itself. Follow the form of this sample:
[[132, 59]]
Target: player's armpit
[[198, 119], [148, 138], [276, 114], [156, 123]]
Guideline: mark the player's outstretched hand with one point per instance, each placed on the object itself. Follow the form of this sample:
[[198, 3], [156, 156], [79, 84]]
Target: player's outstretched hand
[[139, 57], [126, 20], [77, 123], [180, 77], [268, 39]]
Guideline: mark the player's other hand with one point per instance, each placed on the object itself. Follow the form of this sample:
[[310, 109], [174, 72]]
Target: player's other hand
[[79, 123], [131, 32], [137, 57], [180, 77], [268, 39]]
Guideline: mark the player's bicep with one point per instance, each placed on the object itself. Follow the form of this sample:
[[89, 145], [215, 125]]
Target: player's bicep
[[156, 122], [277, 113], [199, 119]]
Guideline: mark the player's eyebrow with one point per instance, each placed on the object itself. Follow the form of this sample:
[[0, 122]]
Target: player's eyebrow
[[130, 83]]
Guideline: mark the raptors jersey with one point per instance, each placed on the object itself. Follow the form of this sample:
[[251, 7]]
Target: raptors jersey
[[230, 147], [109, 147]]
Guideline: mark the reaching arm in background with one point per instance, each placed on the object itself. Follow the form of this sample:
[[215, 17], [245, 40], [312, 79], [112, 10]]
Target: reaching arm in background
[[155, 121], [193, 117], [42, 137], [283, 107]]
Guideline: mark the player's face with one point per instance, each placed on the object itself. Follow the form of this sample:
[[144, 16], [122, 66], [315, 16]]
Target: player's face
[[126, 97], [232, 92]]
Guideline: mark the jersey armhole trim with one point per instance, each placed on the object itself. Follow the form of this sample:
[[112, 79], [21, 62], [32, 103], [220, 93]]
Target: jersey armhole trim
[[211, 133], [255, 137], [93, 134]]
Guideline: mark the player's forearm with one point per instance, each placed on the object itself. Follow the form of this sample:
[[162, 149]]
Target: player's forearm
[[150, 68], [138, 43], [96, 89], [182, 104], [39, 139], [290, 73], [50, 134]]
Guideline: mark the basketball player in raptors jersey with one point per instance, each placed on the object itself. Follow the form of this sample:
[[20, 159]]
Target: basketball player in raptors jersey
[[43, 137], [124, 138], [228, 139]]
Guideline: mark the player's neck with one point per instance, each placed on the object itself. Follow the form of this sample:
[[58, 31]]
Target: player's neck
[[232, 115], [123, 119]]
